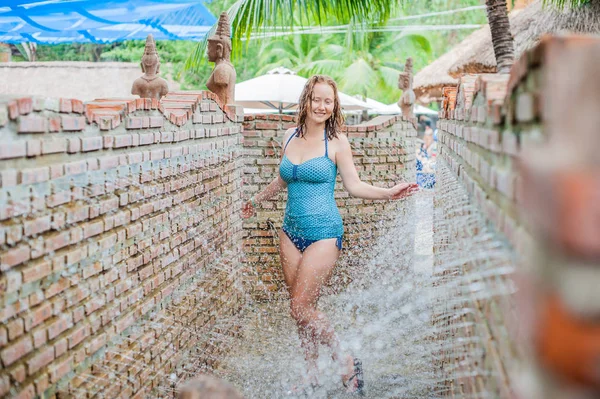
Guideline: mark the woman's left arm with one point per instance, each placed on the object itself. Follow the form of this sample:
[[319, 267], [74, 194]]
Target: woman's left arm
[[360, 189]]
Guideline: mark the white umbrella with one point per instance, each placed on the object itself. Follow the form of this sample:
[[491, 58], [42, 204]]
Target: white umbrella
[[280, 89], [417, 110]]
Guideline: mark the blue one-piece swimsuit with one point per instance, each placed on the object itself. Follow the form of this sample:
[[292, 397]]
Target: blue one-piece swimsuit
[[311, 213]]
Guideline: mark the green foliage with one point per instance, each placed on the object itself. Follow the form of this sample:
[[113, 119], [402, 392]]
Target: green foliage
[[364, 63]]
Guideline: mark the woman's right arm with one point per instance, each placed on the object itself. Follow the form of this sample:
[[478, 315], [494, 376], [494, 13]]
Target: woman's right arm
[[272, 189]]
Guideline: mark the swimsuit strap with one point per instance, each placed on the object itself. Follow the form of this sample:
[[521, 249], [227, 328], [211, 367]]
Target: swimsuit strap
[[290, 139], [325, 135]]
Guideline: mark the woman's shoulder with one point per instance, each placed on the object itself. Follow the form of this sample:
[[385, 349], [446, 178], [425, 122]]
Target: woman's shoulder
[[341, 139]]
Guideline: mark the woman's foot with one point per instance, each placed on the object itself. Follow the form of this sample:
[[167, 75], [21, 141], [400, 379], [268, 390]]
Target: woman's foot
[[352, 379], [306, 387]]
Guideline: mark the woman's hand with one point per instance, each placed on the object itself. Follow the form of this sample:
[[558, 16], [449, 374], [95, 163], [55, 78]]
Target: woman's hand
[[403, 190], [247, 209]]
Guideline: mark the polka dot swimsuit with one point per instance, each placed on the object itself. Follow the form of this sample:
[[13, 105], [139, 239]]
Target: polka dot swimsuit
[[311, 212]]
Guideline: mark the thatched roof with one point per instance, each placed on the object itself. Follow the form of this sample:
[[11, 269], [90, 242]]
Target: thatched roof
[[81, 80], [429, 81], [527, 26]]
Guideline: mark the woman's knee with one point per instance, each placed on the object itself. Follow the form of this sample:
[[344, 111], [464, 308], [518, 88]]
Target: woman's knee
[[301, 312]]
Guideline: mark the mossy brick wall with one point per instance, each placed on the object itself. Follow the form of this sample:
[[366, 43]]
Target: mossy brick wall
[[384, 155], [119, 242], [490, 124]]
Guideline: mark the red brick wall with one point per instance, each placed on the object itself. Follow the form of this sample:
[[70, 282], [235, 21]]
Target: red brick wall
[[113, 273], [512, 150], [383, 155]]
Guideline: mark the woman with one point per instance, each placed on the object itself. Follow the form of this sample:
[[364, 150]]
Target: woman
[[311, 238]]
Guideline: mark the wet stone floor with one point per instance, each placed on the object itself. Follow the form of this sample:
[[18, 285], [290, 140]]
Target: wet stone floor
[[383, 317]]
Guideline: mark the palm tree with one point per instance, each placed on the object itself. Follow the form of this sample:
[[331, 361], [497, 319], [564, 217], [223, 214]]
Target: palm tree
[[502, 39], [255, 15]]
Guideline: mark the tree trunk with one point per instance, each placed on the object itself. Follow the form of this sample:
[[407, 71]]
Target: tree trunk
[[501, 35]]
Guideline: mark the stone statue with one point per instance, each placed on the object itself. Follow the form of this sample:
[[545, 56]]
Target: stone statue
[[222, 79], [150, 85], [405, 83]]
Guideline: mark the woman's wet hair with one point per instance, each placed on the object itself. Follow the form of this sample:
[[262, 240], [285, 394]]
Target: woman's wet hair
[[334, 124]]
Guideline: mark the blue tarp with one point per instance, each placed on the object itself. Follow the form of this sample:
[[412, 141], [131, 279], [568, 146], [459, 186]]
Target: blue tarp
[[98, 21]]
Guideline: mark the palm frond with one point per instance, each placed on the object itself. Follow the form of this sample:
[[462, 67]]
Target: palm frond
[[359, 77], [322, 67], [250, 16]]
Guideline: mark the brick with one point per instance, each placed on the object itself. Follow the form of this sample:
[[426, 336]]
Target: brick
[[65, 106], [32, 124], [3, 116], [37, 225], [8, 178], [74, 145], [60, 347], [54, 123], [4, 385], [54, 146], [134, 122], [39, 338], [156, 121], [77, 336], [92, 229], [56, 171], [77, 106], [91, 143], [57, 371], [15, 329], [124, 140], [42, 383], [16, 351], [146, 138], [15, 256], [40, 360], [73, 123], [34, 148], [75, 168], [57, 241], [62, 324], [35, 175], [524, 108], [25, 105], [26, 393], [108, 162], [15, 149]]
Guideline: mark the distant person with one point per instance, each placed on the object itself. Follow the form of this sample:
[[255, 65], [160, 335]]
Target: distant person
[[208, 387], [426, 153], [311, 238]]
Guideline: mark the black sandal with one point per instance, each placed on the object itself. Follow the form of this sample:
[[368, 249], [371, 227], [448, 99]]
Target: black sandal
[[358, 374]]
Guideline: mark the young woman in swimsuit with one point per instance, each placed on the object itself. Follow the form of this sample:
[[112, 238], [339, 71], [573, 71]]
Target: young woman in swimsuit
[[311, 238]]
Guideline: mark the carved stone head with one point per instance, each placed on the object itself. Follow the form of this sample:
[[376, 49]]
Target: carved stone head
[[405, 78], [219, 44], [150, 60]]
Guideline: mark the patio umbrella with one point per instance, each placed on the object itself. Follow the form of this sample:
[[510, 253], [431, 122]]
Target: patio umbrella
[[107, 21], [393, 109], [280, 89]]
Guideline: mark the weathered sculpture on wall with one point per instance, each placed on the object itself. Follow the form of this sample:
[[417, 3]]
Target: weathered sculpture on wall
[[150, 85], [405, 83], [222, 79]]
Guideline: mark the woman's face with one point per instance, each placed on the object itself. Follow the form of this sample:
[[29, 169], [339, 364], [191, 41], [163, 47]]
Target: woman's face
[[322, 103]]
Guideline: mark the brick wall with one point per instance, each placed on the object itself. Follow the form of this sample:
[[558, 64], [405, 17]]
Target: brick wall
[[383, 154], [490, 127], [113, 275]]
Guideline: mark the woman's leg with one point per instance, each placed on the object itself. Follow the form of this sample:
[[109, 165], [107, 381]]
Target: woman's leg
[[290, 261], [316, 267]]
